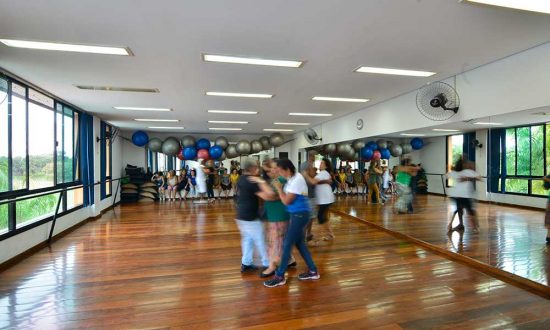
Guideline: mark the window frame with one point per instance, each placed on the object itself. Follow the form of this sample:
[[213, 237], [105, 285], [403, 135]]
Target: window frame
[[105, 144]]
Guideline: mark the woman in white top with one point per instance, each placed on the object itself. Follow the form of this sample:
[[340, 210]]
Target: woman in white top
[[324, 196], [172, 181], [462, 193]]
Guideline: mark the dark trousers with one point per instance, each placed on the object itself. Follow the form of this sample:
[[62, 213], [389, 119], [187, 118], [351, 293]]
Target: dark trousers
[[295, 237], [210, 190]]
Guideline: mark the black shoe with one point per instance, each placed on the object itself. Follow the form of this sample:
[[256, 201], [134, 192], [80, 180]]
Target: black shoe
[[548, 240], [293, 264], [248, 268], [264, 275], [309, 238], [459, 228], [275, 281]]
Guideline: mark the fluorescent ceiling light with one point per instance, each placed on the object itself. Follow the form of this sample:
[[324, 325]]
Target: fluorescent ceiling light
[[399, 72], [292, 124], [142, 109], [118, 89], [260, 96], [66, 47], [445, 130], [163, 120], [486, 123], [412, 134], [227, 122], [541, 6], [339, 99], [166, 127], [278, 130], [225, 129], [234, 112], [248, 60], [310, 114]]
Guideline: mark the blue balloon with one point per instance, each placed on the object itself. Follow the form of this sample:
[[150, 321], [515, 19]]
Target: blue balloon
[[203, 144], [372, 145], [140, 138], [189, 153], [216, 152], [417, 143], [385, 153], [366, 153]]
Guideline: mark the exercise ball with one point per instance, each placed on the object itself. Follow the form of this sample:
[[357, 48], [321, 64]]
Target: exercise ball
[[155, 145], [343, 149], [231, 151], [170, 146], [382, 144], [222, 142], [349, 153], [188, 141], [330, 149], [276, 139], [372, 145], [417, 143], [140, 138], [366, 153], [406, 147], [385, 153], [215, 152], [396, 150], [243, 147], [357, 156], [376, 155], [358, 144], [266, 145], [256, 146], [203, 154], [223, 156], [180, 154], [189, 153], [203, 144]]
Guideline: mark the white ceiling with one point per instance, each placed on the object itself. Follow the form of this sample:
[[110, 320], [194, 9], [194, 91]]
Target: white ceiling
[[334, 37]]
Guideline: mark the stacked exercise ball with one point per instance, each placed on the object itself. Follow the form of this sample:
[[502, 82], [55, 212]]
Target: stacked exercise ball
[[372, 150], [140, 138]]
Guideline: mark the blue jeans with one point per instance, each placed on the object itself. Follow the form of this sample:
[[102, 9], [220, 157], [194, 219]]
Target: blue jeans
[[252, 235], [295, 236]]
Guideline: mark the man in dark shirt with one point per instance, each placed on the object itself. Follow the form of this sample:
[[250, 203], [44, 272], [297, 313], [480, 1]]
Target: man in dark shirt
[[210, 183], [251, 187]]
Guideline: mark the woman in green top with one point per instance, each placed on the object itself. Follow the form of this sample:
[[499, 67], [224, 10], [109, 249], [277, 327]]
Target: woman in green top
[[374, 177], [277, 224], [405, 172]]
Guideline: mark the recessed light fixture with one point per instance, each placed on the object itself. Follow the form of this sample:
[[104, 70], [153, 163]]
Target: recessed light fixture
[[412, 134], [227, 122], [445, 130], [278, 130], [310, 114], [251, 95], [225, 129], [236, 112], [399, 72], [292, 124], [118, 89], [106, 50], [339, 99], [142, 109], [166, 127], [540, 6], [249, 60], [161, 120], [486, 123]]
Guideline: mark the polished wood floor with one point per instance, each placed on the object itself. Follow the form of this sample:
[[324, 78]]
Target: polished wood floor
[[511, 238], [176, 265]]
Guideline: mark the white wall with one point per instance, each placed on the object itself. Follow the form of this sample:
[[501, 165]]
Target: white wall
[[20, 243]]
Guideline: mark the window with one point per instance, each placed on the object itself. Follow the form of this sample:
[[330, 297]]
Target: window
[[525, 156], [161, 162], [106, 160], [455, 150], [38, 153]]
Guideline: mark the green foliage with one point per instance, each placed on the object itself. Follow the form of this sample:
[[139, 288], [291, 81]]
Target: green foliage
[[3, 217], [537, 151], [520, 186], [3, 174], [36, 208], [537, 188], [511, 151], [523, 151]]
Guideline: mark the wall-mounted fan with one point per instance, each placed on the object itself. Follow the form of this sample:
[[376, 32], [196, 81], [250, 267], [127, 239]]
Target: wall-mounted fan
[[437, 101], [311, 136]]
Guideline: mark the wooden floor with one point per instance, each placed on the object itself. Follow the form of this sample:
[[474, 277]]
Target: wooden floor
[[177, 265], [511, 239]]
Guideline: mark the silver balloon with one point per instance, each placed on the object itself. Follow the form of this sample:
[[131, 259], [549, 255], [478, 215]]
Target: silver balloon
[[382, 144], [171, 146], [256, 146], [396, 150], [349, 154], [343, 149], [357, 156], [188, 141], [222, 142], [407, 148], [223, 156], [243, 147], [266, 145], [358, 144], [231, 151], [155, 145], [276, 139], [330, 149]]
